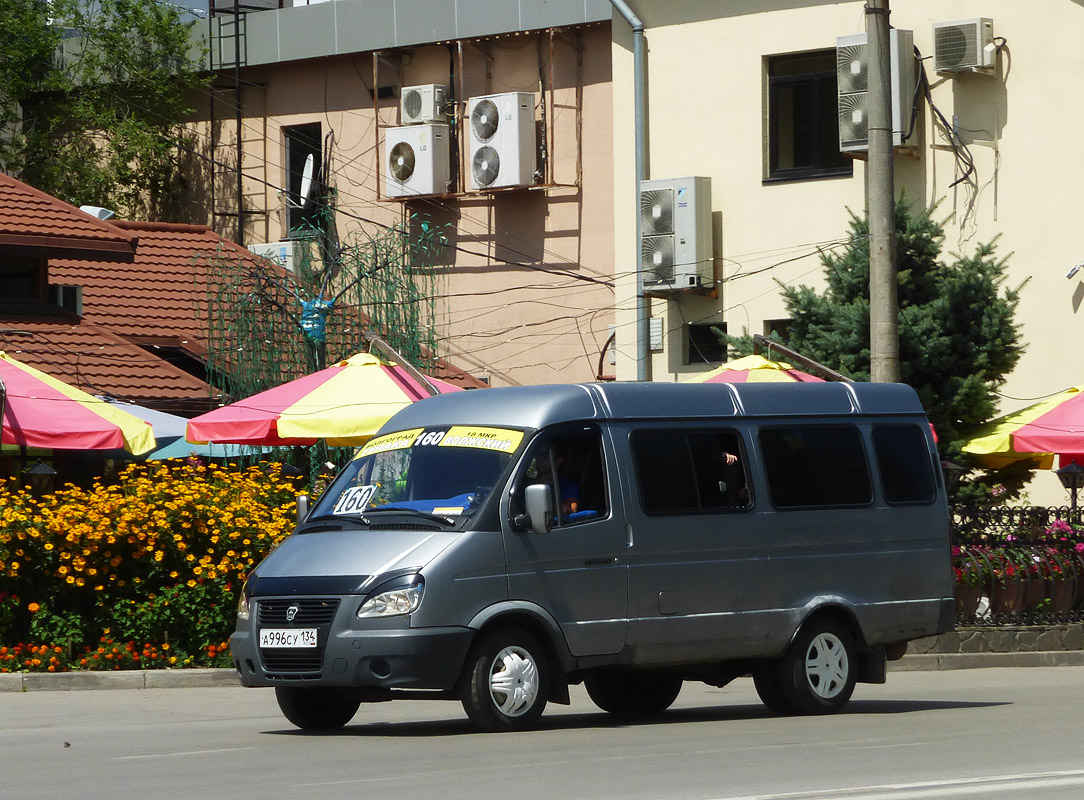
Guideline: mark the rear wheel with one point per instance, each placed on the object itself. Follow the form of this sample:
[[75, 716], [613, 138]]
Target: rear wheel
[[817, 673], [507, 681], [632, 692], [317, 708]]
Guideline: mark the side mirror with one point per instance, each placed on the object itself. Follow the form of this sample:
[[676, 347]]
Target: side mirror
[[302, 507], [539, 501]]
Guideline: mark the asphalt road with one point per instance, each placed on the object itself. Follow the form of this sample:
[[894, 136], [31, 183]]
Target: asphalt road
[[983, 733]]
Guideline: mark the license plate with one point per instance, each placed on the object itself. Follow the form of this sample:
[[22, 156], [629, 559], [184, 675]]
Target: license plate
[[288, 637]]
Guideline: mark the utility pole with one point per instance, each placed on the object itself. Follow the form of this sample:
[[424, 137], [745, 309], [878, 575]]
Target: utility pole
[[884, 343]]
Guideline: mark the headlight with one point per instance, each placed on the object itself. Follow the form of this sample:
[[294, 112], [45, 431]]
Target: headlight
[[393, 601]]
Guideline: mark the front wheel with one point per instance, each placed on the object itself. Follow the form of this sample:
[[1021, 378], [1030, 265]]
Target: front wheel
[[507, 681], [317, 708], [816, 674]]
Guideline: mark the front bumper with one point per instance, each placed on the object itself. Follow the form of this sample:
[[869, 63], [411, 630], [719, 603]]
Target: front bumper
[[388, 655]]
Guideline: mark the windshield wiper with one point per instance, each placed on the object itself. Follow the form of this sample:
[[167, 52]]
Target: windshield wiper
[[352, 517], [424, 514]]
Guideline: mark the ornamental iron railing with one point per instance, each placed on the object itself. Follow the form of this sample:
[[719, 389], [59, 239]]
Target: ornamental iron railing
[[1018, 565]]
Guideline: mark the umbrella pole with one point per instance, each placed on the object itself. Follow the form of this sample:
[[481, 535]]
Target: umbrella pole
[[391, 353]]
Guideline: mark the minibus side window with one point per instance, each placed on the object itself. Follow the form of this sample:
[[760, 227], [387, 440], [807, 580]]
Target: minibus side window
[[686, 471], [903, 459], [570, 461], [810, 466]]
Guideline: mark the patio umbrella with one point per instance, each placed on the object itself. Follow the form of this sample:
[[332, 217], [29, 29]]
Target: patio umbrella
[[42, 411], [754, 369], [1053, 425], [169, 431], [344, 404]]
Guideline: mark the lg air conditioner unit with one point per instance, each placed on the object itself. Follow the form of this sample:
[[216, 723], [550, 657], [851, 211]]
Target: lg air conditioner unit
[[416, 160], [852, 83], [501, 140], [964, 45], [286, 254], [422, 104], [675, 234]]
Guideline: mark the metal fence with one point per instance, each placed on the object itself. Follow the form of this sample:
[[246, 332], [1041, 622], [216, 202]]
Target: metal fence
[[1018, 565]]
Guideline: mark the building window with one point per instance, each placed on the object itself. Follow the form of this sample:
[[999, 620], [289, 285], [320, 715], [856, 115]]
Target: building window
[[705, 345], [21, 278], [305, 214], [779, 327], [803, 121]]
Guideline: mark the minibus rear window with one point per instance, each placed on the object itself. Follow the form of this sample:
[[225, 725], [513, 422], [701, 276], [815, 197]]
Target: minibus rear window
[[816, 465], [903, 459]]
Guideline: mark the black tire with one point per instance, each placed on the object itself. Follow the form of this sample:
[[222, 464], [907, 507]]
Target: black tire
[[770, 689], [632, 692], [317, 708], [817, 672], [506, 682]]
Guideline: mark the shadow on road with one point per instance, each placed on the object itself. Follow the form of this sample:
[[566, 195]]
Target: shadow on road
[[556, 720]]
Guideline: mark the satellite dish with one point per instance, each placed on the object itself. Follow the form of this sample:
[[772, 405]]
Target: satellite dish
[[486, 165], [306, 180]]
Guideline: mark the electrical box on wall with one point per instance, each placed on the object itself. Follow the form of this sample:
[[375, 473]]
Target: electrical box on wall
[[416, 160], [964, 45], [852, 81], [501, 139], [675, 234]]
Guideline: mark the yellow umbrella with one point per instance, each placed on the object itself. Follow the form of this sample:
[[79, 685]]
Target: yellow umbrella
[[754, 369]]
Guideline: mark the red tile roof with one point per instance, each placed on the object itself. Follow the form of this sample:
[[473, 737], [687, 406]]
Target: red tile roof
[[100, 362], [32, 218]]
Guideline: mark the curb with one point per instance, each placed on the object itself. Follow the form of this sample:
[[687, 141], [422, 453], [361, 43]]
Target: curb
[[204, 678], [119, 679]]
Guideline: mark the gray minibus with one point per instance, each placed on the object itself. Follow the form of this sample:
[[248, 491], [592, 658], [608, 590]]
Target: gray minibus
[[497, 546]]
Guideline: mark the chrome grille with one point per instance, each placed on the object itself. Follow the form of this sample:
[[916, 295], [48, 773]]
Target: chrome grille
[[309, 612]]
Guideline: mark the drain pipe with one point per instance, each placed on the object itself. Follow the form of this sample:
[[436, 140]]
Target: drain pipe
[[640, 126]]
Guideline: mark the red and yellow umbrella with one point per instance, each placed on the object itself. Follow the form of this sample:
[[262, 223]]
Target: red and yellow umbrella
[[42, 411], [754, 369], [344, 404], [1051, 426]]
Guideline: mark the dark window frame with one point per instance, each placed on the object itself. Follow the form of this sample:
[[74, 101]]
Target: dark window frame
[[653, 510], [822, 135], [921, 455], [695, 350], [777, 478], [299, 140]]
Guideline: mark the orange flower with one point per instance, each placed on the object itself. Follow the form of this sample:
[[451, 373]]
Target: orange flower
[[33, 608]]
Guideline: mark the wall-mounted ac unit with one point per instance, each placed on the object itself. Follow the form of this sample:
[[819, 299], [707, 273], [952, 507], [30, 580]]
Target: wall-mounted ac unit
[[421, 104], [69, 298], [416, 160], [286, 254], [964, 45], [502, 140], [675, 234], [852, 80]]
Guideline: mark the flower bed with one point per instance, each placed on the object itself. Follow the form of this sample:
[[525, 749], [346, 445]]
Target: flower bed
[[143, 573]]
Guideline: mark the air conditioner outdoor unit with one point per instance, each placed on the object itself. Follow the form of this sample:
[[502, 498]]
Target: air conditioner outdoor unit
[[421, 104], [852, 81], [675, 234], [964, 45], [502, 140], [416, 160], [286, 254]]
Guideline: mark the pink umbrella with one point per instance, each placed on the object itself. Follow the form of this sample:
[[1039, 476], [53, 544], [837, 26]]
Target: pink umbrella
[[754, 369], [344, 404], [41, 411]]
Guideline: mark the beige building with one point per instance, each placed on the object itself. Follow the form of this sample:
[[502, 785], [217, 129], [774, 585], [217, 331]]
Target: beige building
[[725, 86], [524, 282]]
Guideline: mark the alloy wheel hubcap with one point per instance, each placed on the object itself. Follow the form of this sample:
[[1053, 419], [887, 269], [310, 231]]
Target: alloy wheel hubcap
[[826, 665], [513, 681]]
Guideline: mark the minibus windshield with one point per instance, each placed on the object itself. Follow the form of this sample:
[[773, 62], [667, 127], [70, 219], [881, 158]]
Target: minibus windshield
[[445, 471]]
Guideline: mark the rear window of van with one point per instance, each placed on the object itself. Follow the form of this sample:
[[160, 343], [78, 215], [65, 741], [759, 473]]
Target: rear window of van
[[903, 459]]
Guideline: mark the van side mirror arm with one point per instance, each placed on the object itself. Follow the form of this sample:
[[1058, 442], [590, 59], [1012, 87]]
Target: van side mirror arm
[[539, 501]]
